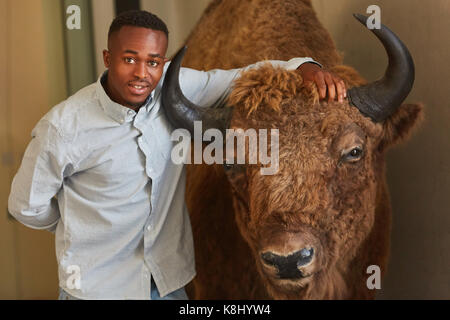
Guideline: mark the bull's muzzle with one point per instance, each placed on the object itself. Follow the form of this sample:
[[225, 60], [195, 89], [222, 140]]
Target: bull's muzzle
[[289, 267]]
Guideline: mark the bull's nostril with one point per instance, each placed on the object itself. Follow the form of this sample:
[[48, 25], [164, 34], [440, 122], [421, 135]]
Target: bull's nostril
[[287, 266], [306, 256], [305, 253], [270, 258]]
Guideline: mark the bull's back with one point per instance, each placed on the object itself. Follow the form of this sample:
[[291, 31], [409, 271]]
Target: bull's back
[[235, 33]]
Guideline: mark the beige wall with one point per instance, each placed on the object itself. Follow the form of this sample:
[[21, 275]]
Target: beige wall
[[8, 264], [102, 15], [31, 81]]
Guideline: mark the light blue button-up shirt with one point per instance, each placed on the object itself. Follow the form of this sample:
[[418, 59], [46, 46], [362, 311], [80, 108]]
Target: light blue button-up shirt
[[119, 214]]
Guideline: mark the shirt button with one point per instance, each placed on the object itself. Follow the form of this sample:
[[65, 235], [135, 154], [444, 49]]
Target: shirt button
[[148, 228]]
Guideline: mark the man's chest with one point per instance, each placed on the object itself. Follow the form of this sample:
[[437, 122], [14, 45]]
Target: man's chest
[[136, 148]]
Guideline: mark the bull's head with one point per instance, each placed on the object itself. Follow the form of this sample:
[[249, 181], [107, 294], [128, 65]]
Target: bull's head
[[308, 222]]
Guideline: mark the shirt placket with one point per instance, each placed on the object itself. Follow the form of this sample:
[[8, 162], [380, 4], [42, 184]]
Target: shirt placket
[[139, 124]]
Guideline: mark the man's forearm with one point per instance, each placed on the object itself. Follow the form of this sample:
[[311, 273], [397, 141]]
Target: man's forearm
[[211, 88]]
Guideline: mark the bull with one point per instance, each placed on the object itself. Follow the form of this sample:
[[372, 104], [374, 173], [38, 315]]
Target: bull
[[311, 230]]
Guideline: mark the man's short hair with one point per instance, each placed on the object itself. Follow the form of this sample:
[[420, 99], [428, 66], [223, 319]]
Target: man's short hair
[[138, 18]]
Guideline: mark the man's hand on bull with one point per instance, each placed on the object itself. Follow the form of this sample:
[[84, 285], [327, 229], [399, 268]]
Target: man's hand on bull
[[327, 83]]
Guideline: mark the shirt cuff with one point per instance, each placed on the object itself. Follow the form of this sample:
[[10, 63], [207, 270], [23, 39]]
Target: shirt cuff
[[295, 63], [36, 218]]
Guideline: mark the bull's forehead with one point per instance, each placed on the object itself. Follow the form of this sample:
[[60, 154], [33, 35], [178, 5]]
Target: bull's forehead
[[312, 125], [315, 135]]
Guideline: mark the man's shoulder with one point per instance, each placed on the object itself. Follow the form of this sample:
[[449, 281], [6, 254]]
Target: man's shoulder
[[71, 115]]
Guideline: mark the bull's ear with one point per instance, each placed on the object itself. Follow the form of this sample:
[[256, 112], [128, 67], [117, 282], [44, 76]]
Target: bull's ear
[[399, 126]]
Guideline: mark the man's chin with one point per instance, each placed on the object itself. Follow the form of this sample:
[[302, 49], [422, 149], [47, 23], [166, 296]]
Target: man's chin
[[135, 104]]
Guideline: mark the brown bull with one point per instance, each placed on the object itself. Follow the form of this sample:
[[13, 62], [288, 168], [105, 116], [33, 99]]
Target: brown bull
[[311, 230]]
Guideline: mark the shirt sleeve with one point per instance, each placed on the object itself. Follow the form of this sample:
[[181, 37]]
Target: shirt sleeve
[[210, 88], [39, 178]]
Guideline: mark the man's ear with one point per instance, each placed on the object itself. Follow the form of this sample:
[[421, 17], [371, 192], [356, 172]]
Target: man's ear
[[106, 58], [399, 126]]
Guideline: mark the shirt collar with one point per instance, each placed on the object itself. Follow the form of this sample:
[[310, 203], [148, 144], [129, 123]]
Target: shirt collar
[[116, 111]]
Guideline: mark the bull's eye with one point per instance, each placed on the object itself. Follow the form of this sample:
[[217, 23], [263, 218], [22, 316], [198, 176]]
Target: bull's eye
[[353, 155]]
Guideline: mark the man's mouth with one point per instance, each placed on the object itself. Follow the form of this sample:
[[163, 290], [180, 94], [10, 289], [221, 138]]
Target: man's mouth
[[138, 89]]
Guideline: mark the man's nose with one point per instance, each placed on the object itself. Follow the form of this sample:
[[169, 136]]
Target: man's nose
[[140, 71]]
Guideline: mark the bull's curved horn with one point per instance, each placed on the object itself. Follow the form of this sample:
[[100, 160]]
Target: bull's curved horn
[[379, 99], [180, 111]]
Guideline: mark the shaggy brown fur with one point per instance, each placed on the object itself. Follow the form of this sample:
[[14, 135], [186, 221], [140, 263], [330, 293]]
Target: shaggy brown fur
[[339, 207], [234, 33]]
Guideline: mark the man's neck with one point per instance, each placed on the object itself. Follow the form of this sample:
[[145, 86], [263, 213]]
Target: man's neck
[[106, 86]]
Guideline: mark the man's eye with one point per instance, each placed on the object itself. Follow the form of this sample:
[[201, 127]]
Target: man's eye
[[153, 63], [129, 60]]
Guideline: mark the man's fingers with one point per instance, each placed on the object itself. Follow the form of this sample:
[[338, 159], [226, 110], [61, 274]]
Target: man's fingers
[[321, 85], [340, 87], [345, 88], [331, 87], [327, 82]]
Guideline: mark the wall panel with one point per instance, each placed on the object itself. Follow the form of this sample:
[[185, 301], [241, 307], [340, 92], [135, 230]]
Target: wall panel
[[8, 253], [35, 82]]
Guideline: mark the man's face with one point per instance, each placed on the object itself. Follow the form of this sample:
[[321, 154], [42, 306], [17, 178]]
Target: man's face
[[135, 60]]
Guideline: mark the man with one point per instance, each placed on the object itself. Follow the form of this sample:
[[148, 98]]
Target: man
[[121, 226]]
